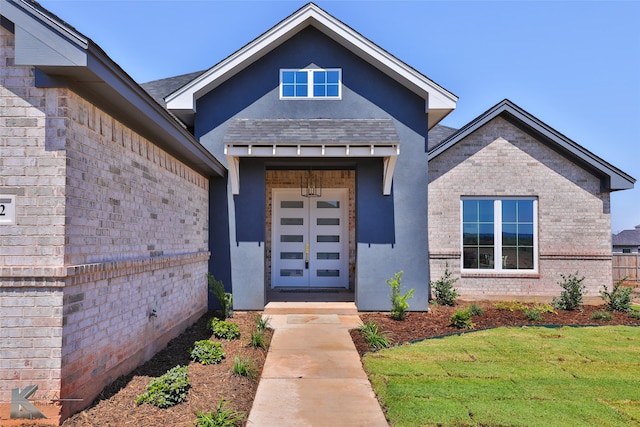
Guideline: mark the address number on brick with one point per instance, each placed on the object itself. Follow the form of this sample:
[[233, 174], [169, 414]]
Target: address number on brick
[[7, 210]]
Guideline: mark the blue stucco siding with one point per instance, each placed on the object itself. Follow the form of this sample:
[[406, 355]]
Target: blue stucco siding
[[391, 231], [219, 244], [250, 203], [378, 227], [308, 47]]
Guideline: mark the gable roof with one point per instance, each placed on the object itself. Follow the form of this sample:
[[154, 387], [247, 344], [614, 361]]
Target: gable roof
[[627, 237], [612, 177], [63, 57], [439, 101]]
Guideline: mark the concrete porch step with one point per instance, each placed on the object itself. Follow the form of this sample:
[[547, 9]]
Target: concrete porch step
[[339, 308]]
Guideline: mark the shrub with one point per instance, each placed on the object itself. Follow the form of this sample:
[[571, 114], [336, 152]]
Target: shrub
[[220, 417], [635, 314], [168, 389], [461, 319], [257, 339], [475, 310], [262, 323], [532, 314], [374, 337], [224, 330], [601, 315], [443, 289], [619, 299], [207, 352], [399, 304], [244, 367], [216, 288], [571, 297]]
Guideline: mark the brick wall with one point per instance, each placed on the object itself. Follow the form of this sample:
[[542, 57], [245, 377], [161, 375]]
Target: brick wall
[[573, 215], [109, 228]]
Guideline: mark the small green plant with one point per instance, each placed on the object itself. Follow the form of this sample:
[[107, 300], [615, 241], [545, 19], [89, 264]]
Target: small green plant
[[443, 290], [571, 297], [207, 352], [461, 319], [475, 310], [216, 288], [220, 417], [374, 337], [223, 329], [242, 366], [262, 322], [399, 304], [168, 389], [601, 315], [544, 307], [532, 314], [510, 305], [257, 339], [635, 314], [619, 299]]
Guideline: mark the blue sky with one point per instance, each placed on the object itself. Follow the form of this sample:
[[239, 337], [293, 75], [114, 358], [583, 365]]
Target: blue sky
[[575, 65]]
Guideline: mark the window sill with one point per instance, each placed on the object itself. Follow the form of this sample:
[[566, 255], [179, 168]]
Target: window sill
[[501, 275]]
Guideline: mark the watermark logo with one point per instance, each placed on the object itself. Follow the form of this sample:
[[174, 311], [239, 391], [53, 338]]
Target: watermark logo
[[21, 407]]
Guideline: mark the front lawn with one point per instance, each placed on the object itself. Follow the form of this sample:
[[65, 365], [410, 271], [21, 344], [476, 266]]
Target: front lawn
[[530, 376]]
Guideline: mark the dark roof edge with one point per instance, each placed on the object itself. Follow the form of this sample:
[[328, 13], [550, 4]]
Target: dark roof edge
[[618, 180], [170, 125], [95, 76]]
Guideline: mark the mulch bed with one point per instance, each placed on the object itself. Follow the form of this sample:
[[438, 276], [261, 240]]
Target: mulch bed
[[421, 325], [116, 406]]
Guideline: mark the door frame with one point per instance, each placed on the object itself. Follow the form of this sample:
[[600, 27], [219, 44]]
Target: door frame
[[309, 263]]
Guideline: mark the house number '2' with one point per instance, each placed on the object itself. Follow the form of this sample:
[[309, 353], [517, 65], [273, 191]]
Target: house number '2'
[[7, 210]]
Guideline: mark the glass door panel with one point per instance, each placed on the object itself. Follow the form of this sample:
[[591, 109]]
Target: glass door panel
[[309, 239]]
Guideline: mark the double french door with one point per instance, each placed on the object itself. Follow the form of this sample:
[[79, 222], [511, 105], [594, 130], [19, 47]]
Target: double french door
[[309, 246]]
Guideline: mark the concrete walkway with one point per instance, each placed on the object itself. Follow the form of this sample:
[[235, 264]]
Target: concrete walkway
[[312, 375]]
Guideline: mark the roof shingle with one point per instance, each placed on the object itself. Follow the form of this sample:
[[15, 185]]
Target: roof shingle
[[312, 131]]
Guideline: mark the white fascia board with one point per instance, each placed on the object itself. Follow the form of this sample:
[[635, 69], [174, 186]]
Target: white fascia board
[[438, 97], [185, 97]]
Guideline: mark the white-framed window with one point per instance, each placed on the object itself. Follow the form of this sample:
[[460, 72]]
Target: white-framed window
[[311, 83], [499, 235]]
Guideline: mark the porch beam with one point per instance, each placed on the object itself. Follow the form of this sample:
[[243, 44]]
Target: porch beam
[[389, 153]]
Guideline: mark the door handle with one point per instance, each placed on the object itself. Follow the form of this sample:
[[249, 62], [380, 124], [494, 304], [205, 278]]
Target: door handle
[[306, 256]]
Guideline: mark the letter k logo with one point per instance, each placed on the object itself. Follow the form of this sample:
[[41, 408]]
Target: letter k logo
[[21, 407]]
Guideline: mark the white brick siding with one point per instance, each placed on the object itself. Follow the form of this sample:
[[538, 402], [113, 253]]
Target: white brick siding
[[573, 215], [109, 227]]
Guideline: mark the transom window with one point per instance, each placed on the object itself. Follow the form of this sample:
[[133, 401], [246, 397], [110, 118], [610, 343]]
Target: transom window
[[311, 84], [499, 234]]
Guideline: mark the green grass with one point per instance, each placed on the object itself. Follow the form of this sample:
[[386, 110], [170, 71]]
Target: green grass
[[532, 376]]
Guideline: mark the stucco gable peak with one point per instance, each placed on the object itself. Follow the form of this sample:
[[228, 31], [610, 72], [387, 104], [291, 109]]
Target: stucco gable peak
[[439, 101], [613, 178]]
